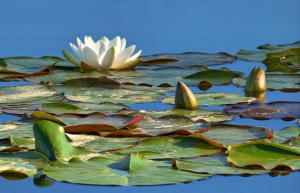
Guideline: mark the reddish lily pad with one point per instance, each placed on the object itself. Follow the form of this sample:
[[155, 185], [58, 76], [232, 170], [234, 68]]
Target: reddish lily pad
[[285, 110]]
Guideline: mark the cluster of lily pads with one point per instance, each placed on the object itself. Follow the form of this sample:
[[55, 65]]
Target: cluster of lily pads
[[77, 123]]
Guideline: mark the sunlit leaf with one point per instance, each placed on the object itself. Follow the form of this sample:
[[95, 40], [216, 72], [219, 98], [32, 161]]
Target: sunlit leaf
[[265, 154]]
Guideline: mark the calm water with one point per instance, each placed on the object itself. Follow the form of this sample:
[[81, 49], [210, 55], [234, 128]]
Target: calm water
[[36, 28]]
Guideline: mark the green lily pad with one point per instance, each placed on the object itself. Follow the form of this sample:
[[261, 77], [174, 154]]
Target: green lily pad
[[17, 129], [215, 164], [283, 82], [213, 99], [216, 77], [294, 143], [194, 115], [285, 110], [284, 134], [228, 134], [118, 121], [286, 61], [58, 76], [61, 107], [169, 124], [187, 59], [22, 142], [132, 170], [155, 77], [266, 154], [173, 147], [27, 65], [20, 164], [24, 94], [259, 56], [126, 95], [92, 82], [100, 144]]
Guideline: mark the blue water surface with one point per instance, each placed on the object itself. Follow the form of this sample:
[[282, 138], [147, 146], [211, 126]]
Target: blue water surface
[[39, 27]]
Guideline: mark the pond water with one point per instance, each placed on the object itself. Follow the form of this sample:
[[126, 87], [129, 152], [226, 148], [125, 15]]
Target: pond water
[[37, 28]]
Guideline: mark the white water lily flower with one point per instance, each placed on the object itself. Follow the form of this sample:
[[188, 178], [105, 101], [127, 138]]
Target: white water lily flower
[[105, 53]]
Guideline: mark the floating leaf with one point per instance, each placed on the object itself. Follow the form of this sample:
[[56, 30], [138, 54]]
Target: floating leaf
[[28, 65], [285, 61], [155, 77], [96, 122], [187, 59], [61, 107], [132, 170], [294, 143], [285, 110], [284, 134], [17, 129], [174, 147], [216, 77], [25, 163], [169, 124], [234, 134], [58, 76], [92, 82], [283, 82], [24, 94], [214, 99], [215, 164], [101, 144], [259, 56], [126, 95], [265, 154], [197, 114]]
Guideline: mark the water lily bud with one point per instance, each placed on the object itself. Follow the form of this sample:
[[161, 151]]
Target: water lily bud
[[260, 96], [184, 98], [256, 81]]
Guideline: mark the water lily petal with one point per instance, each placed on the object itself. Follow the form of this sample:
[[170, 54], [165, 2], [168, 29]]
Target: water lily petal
[[76, 50], [80, 45], [90, 57], [123, 56], [70, 57], [127, 65], [109, 58], [134, 57], [118, 45], [123, 44], [105, 39]]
